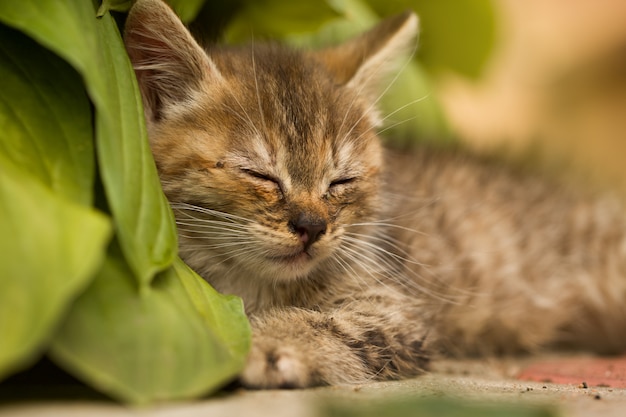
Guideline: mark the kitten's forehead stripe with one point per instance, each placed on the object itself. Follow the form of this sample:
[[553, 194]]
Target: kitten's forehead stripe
[[302, 115], [262, 150]]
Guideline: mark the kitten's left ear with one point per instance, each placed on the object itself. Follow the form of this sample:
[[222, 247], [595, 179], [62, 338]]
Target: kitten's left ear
[[365, 61]]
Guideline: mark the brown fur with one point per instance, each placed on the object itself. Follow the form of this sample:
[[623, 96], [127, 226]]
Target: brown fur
[[350, 268]]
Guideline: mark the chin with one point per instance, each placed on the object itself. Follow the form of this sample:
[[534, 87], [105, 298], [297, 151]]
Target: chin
[[282, 272], [282, 265], [289, 268]]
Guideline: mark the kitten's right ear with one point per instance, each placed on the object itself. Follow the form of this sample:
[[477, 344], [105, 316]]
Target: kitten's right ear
[[365, 61], [169, 64]]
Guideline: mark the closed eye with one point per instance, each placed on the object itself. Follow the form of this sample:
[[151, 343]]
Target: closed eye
[[342, 181], [261, 176]]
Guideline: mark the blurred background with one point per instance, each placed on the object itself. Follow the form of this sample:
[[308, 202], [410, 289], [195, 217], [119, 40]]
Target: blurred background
[[540, 81], [554, 85]]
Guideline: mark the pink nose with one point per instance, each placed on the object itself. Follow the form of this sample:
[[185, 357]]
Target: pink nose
[[308, 230]]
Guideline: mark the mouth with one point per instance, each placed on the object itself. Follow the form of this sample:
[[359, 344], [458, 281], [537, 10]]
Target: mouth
[[287, 266], [299, 260], [293, 259]]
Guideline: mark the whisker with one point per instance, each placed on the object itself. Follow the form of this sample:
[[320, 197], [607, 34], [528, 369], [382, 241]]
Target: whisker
[[405, 257], [216, 237], [186, 207], [385, 90], [391, 126], [388, 225], [215, 246], [213, 229], [383, 251], [211, 225], [348, 269], [373, 255], [247, 119], [402, 257], [247, 251], [356, 257], [412, 102]]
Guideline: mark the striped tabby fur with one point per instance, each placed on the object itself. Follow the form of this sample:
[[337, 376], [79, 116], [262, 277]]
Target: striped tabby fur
[[354, 262]]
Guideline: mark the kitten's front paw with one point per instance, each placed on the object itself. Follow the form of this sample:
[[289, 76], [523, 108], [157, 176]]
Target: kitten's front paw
[[273, 366]]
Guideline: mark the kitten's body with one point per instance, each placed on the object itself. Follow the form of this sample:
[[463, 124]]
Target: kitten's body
[[351, 268]]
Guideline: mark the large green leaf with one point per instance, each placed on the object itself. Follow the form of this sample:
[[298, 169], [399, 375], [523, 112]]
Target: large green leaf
[[223, 314], [153, 344], [50, 243], [93, 46], [145, 221], [45, 119], [49, 250]]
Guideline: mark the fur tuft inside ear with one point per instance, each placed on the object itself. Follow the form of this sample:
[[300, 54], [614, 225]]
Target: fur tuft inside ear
[[365, 61], [168, 62]]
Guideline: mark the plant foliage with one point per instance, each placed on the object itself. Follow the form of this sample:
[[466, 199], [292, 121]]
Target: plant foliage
[[99, 289]]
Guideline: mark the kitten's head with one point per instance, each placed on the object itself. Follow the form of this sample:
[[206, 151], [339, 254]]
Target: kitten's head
[[269, 156]]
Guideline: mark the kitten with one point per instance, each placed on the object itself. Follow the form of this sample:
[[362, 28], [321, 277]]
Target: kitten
[[355, 262]]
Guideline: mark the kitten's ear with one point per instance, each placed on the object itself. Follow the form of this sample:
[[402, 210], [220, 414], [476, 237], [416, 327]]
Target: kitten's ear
[[168, 62], [365, 61]]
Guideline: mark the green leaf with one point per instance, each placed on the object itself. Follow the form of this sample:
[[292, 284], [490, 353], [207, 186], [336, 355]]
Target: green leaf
[[278, 18], [49, 250], [187, 10], [223, 314], [142, 216], [50, 243], [45, 119], [115, 5], [355, 17], [456, 35], [145, 221], [153, 344]]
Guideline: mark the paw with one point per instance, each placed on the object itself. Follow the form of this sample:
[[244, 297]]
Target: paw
[[275, 366]]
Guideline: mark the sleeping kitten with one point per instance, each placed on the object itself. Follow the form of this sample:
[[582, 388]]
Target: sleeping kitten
[[355, 262]]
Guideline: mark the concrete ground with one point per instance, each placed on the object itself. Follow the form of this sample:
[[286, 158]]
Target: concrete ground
[[463, 387]]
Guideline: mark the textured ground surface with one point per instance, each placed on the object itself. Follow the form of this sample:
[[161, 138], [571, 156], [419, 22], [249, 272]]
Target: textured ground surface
[[585, 388]]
